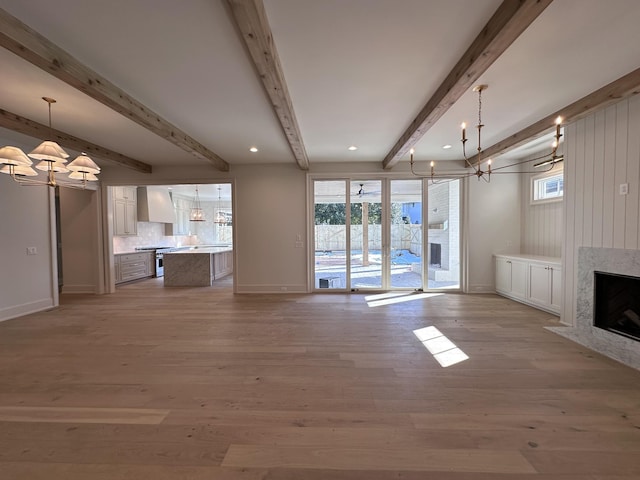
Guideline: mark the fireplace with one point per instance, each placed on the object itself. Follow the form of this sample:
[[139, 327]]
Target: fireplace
[[617, 304], [435, 254]]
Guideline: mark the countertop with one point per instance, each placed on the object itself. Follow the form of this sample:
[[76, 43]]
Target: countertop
[[201, 249], [186, 249]]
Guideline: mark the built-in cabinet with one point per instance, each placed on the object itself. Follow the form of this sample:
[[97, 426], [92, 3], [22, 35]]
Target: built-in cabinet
[[181, 226], [222, 264], [530, 279], [125, 211], [134, 266]]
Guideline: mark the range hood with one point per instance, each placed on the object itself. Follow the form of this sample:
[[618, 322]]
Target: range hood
[[155, 205]]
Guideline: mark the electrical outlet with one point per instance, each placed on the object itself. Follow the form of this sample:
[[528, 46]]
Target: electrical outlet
[[32, 251], [624, 188]]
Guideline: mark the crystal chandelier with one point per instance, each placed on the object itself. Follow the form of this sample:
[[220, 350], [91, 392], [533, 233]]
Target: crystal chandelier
[[52, 161], [484, 171]]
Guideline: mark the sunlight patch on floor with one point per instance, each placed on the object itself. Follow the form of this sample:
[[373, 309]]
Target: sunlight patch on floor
[[443, 350], [397, 297]]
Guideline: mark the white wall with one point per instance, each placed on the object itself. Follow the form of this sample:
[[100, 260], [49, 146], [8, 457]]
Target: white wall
[[602, 152], [79, 228], [542, 226], [26, 281], [271, 213], [492, 221]]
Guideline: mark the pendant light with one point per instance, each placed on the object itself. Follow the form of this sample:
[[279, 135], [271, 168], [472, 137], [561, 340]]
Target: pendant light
[[196, 214], [221, 217]]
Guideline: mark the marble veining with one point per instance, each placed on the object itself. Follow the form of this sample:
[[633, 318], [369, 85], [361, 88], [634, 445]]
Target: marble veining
[[609, 260]]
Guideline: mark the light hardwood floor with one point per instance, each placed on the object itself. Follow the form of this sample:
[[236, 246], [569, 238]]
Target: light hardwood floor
[[196, 383]]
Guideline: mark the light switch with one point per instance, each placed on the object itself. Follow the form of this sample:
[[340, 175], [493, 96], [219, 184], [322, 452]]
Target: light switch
[[32, 251]]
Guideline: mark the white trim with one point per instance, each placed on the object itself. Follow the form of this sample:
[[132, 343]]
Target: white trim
[[27, 308], [557, 170], [79, 289], [262, 288]]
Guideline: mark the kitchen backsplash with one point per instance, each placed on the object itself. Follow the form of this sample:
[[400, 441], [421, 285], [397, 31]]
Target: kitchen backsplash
[[151, 234]]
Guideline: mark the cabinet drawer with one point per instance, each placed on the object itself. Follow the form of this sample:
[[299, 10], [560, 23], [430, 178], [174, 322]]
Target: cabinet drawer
[[132, 266], [133, 257]]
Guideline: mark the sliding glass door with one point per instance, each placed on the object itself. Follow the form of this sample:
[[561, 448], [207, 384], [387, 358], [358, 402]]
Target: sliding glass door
[[369, 234], [443, 239], [366, 244]]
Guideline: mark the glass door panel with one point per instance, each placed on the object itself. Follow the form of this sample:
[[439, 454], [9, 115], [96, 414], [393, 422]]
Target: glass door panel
[[366, 254], [406, 234], [330, 234], [443, 247]]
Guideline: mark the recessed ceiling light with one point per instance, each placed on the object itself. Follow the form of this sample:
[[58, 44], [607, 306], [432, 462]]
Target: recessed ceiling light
[[352, 148], [253, 149], [446, 147]]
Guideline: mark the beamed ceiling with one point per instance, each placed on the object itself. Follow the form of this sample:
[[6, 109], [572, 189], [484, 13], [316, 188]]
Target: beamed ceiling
[[145, 83]]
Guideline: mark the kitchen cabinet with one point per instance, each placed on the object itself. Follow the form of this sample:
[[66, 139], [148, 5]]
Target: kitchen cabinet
[[125, 211], [530, 279], [223, 264], [134, 266], [181, 226]]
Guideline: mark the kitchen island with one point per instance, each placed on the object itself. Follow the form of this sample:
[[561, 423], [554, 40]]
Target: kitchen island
[[197, 266]]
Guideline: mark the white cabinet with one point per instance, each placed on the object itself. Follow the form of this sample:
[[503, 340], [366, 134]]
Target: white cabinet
[[534, 280], [181, 226], [134, 266], [511, 277], [222, 264], [125, 211]]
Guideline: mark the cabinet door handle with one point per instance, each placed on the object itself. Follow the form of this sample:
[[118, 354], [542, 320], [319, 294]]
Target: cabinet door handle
[[508, 261]]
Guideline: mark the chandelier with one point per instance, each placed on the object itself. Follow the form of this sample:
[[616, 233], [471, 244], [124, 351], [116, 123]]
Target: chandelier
[[17, 164], [196, 214], [484, 171]]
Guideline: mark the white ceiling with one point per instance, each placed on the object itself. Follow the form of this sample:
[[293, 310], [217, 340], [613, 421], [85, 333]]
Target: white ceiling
[[358, 72]]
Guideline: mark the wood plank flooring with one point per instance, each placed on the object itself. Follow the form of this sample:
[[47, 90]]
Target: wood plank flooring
[[196, 383]]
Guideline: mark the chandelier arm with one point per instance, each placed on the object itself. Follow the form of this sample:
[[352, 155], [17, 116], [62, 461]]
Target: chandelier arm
[[521, 162]]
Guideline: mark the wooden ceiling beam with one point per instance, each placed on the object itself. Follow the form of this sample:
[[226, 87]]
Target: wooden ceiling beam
[[15, 122], [615, 91], [505, 26], [251, 22], [29, 45]]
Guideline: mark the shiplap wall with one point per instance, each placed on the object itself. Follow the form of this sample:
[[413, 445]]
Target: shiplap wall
[[602, 151], [542, 226]]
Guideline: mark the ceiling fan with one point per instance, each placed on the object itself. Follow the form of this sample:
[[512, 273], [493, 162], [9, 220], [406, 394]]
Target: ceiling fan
[[365, 193]]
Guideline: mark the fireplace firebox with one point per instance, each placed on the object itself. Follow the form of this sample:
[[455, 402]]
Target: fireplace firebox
[[435, 257], [617, 304]]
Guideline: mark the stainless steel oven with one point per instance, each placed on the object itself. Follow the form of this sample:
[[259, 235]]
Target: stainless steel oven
[[160, 260], [159, 263]]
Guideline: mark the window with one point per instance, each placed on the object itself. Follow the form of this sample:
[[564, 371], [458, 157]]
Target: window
[[548, 188]]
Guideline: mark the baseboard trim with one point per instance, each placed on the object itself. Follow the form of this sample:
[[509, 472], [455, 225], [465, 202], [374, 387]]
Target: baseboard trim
[[282, 289], [25, 309], [79, 289]]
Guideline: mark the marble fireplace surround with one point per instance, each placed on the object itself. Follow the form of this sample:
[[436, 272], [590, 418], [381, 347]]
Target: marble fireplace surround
[[609, 260]]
